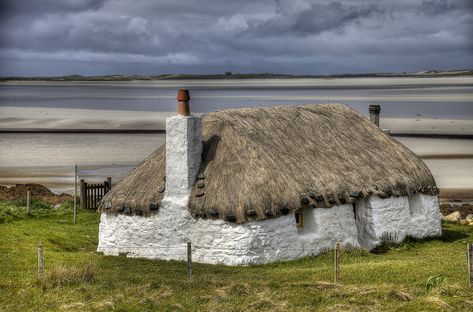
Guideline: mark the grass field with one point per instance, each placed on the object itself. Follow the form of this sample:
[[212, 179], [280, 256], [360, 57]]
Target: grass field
[[428, 275]]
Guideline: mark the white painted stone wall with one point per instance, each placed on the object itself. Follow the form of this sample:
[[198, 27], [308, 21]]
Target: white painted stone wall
[[396, 217], [252, 242], [165, 234], [425, 216], [323, 227], [160, 236], [213, 241]]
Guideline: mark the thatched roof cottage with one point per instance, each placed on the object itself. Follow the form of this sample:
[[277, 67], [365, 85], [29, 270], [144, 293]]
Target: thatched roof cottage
[[264, 184]]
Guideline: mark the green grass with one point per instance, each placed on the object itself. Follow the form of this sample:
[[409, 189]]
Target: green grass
[[428, 275]]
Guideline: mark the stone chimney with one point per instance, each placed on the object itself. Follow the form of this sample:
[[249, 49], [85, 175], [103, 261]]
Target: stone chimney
[[374, 114], [183, 149]]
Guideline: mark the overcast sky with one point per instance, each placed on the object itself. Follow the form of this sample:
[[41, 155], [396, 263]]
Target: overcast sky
[[93, 37]]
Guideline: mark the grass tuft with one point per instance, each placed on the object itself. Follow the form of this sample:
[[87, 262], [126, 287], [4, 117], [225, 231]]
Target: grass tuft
[[434, 282], [400, 295], [61, 275]]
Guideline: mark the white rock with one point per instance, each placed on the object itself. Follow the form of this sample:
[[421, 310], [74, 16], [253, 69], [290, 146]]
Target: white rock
[[454, 217]]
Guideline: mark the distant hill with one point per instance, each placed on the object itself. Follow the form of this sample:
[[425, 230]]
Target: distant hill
[[230, 75]]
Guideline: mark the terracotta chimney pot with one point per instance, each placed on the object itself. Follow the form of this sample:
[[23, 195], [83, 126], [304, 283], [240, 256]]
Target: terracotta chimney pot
[[183, 98]]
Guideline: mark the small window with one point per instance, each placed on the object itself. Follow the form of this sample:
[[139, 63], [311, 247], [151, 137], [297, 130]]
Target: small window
[[415, 205], [299, 219]]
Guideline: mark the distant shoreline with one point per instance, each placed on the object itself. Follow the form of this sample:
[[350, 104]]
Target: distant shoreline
[[236, 76], [102, 131], [31, 130], [434, 135]]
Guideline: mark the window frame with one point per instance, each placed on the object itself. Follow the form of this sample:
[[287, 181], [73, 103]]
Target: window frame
[[299, 216]]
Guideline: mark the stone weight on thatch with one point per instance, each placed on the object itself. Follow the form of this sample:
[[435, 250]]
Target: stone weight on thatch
[[231, 218], [305, 201], [251, 212], [355, 194], [213, 212], [331, 199], [153, 206]]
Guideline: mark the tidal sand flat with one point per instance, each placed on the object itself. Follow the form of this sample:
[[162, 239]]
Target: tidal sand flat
[[88, 102], [49, 158], [449, 160], [23, 118]]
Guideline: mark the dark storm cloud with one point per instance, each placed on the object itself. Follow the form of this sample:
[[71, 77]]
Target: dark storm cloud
[[314, 18], [301, 36], [14, 7], [436, 7]]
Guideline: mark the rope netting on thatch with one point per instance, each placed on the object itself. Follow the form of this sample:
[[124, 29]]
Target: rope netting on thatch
[[259, 163]]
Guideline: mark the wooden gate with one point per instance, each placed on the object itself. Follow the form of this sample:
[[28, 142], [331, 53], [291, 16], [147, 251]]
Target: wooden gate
[[91, 194]]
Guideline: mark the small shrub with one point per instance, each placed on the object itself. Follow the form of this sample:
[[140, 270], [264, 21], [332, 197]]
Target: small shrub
[[8, 212], [61, 275], [11, 210], [434, 282], [40, 205], [389, 241], [68, 205]]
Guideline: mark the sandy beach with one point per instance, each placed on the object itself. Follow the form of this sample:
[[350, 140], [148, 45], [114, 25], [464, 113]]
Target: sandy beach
[[54, 118]]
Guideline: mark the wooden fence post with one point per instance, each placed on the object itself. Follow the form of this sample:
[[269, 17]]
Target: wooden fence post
[[28, 202], [109, 182], [82, 194], [337, 263], [75, 194], [86, 196], [189, 260], [40, 260], [469, 256]]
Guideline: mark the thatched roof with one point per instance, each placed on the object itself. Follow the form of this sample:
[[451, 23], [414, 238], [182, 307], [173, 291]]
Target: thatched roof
[[260, 163]]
